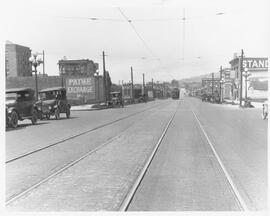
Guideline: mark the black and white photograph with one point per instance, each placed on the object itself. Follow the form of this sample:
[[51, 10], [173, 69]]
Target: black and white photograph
[[154, 106]]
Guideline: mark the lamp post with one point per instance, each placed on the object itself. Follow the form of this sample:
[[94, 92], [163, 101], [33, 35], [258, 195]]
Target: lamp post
[[246, 74], [220, 78], [222, 81], [35, 62]]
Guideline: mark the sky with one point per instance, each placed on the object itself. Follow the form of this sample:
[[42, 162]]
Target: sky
[[157, 42]]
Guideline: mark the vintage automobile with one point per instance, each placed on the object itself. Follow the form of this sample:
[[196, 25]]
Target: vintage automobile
[[52, 102], [116, 100], [175, 93], [265, 110], [209, 97], [20, 105], [204, 97]]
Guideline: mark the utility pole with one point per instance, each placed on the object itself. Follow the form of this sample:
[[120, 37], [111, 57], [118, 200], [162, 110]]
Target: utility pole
[[220, 80], [132, 89], [104, 77], [241, 76], [212, 87], [153, 87], [43, 58], [246, 75], [163, 87], [143, 86], [183, 48], [183, 42]]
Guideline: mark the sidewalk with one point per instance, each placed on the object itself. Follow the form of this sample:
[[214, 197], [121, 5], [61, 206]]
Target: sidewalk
[[88, 107], [236, 102]]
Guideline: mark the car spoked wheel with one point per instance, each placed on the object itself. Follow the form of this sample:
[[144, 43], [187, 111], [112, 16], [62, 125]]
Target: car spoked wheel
[[57, 114], [48, 116], [68, 113], [13, 119], [34, 117]]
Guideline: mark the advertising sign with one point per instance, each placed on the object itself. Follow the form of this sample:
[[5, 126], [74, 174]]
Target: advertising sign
[[256, 64], [81, 87], [150, 94]]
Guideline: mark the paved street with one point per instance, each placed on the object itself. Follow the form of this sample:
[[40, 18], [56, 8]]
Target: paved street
[[185, 173]]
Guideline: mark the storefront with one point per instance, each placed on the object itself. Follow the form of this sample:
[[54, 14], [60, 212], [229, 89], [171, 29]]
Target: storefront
[[254, 80]]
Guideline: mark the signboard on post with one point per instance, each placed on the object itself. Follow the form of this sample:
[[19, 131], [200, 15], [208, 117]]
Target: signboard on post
[[255, 64]]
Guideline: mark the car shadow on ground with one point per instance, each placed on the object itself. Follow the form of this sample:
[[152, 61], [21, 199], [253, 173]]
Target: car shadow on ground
[[25, 125], [62, 118]]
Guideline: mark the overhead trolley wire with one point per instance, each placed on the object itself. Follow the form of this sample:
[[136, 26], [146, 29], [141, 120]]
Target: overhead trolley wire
[[139, 36], [93, 18]]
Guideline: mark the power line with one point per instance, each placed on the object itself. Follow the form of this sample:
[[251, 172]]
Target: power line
[[136, 32], [143, 41], [93, 18], [141, 20]]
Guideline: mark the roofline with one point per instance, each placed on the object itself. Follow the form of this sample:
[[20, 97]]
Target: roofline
[[19, 89], [52, 89]]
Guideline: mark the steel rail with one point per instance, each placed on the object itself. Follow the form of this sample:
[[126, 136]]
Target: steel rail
[[242, 204], [77, 135], [70, 164], [128, 198]]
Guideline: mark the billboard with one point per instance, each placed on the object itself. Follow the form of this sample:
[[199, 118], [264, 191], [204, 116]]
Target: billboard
[[81, 88], [255, 64]]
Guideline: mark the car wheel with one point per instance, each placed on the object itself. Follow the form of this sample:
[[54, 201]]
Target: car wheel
[[13, 119], [57, 114], [34, 117], [48, 116], [68, 113]]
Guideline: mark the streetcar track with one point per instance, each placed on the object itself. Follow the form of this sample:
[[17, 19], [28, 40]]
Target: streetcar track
[[128, 198], [242, 204], [68, 165], [77, 135]]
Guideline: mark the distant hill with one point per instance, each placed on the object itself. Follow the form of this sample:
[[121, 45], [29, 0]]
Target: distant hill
[[198, 79]]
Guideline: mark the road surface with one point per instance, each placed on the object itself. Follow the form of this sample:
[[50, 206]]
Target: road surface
[[213, 157]]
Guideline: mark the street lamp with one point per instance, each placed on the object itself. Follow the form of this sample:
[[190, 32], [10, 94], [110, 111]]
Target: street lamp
[[222, 81], [35, 62], [246, 74]]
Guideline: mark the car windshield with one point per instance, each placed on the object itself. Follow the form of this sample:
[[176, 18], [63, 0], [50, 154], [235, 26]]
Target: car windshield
[[11, 96], [115, 95], [47, 95]]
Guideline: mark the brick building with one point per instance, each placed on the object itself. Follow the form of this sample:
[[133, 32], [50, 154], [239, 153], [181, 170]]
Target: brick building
[[77, 67], [17, 60]]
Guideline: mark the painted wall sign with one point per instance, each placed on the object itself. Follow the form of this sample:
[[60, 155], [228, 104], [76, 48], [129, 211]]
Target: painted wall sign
[[81, 89], [80, 85], [256, 64]]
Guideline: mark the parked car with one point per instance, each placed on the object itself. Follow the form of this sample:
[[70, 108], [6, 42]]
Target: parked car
[[20, 105], [116, 100], [52, 102], [206, 97], [265, 110]]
